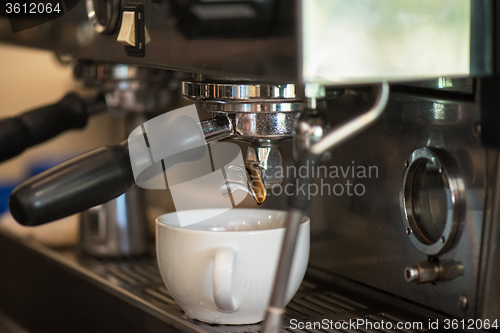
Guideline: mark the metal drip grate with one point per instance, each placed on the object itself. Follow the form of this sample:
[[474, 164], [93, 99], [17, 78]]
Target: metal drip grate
[[125, 273], [312, 303], [321, 304]]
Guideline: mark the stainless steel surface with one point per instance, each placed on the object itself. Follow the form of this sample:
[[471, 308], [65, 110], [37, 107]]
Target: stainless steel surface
[[221, 92], [145, 100], [460, 85], [439, 113], [412, 274], [116, 228], [251, 107], [129, 88], [255, 127], [217, 129], [95, 73], [237, 178], [366, 233], [258, 111], [311, 126], [463, 302], [268, 162], [367, 41], [433, 199]]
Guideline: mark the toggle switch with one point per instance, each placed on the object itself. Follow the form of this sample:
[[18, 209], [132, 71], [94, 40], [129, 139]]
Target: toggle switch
[[133, 33], [127, 35]]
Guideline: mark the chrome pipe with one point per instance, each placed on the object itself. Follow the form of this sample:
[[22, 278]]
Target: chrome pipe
[[217, 129], [274, 313], [346, 131]]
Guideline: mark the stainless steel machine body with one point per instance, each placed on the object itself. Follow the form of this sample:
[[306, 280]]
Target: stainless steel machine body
[[366, 235]]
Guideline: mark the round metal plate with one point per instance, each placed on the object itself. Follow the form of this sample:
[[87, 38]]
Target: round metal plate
[[208, 91], [455, 190], [257, 107]]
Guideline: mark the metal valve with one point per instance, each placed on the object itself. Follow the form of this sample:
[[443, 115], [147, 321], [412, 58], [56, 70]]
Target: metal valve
[[427, 271]]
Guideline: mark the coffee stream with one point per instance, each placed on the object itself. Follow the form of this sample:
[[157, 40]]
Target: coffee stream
[[256, 183]]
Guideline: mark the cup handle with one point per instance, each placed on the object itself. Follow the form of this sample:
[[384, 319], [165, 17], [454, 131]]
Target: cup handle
[[223, 279]]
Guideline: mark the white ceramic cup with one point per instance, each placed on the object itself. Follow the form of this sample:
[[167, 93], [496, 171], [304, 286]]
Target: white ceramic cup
[[222, 270]]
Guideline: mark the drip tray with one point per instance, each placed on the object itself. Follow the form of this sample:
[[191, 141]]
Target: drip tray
[[131, 294]]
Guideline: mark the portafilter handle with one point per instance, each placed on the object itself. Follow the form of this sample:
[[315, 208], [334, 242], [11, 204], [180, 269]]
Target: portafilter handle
[[71, 187], [105, 173], [39, 125]]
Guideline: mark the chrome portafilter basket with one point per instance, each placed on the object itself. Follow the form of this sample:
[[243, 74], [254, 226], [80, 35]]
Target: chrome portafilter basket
[[260, 114]]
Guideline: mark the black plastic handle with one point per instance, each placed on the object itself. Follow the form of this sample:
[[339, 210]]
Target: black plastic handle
[[39, 125], [104, 173], [71, 187]]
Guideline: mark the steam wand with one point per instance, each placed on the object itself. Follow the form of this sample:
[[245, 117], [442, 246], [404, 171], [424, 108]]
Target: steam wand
[[299, 204]]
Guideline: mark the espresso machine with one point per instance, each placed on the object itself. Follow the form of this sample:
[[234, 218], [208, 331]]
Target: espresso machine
[[391, 107]]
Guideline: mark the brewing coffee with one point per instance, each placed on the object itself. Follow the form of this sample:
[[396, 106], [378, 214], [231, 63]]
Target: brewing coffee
[[256, 184]]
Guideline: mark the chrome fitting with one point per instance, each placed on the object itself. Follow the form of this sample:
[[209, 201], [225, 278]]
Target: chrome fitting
[[426, 271]]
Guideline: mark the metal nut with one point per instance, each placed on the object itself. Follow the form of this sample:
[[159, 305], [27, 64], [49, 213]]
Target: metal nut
[[463, 302]]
